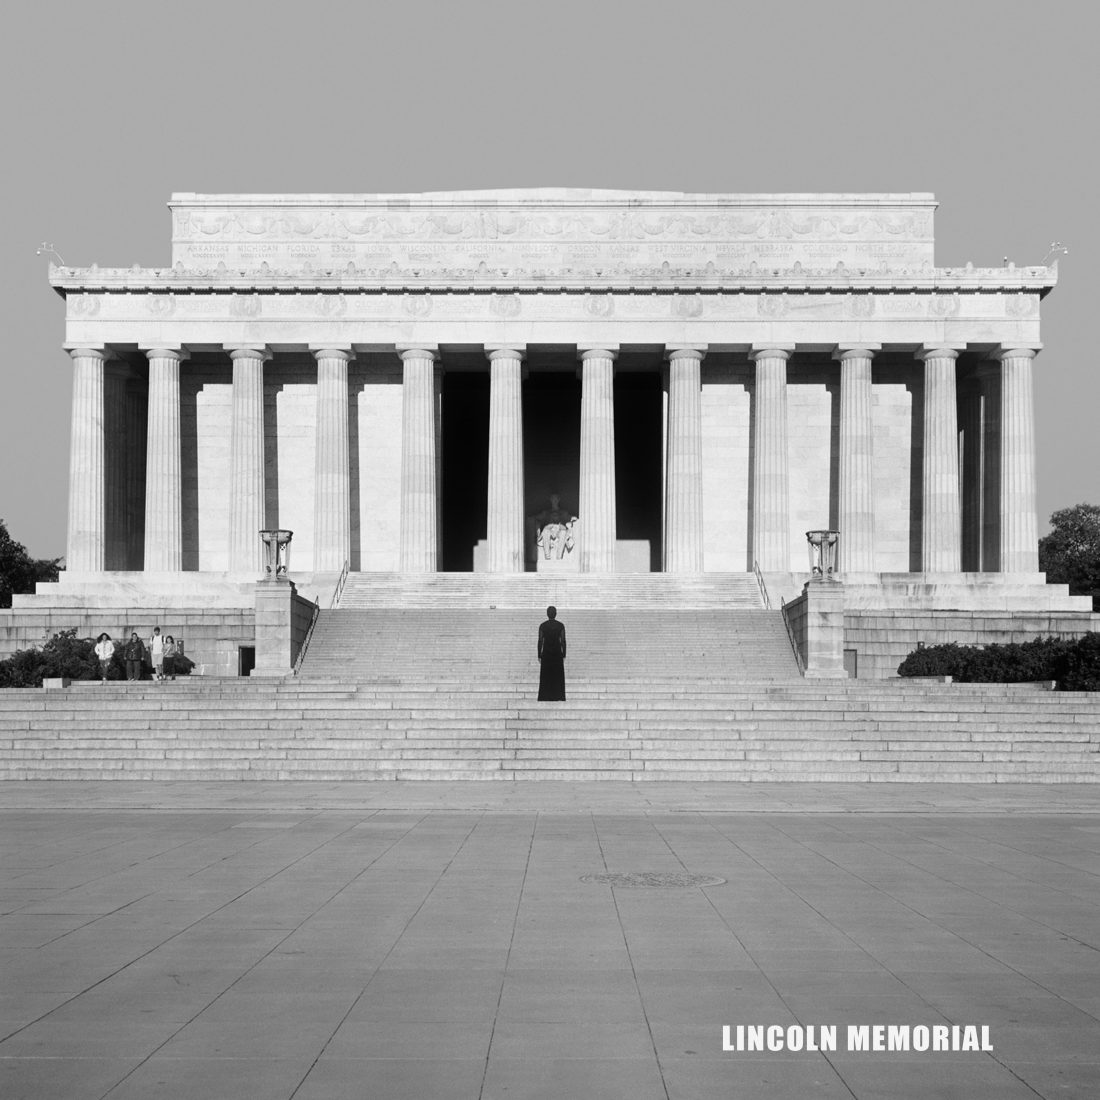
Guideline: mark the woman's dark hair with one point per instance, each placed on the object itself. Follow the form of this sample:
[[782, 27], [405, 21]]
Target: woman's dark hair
[[551, 612], [102, 636]]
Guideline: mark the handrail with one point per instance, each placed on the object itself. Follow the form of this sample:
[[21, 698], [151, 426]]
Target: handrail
[[763, 587], [790, 635], [339, 590], [307, 639]]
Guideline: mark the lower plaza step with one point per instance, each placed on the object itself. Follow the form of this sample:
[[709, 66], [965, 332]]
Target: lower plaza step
[[666, 729]]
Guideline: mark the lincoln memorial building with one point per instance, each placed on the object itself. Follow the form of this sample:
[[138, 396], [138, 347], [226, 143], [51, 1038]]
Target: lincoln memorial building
[[553, 383]]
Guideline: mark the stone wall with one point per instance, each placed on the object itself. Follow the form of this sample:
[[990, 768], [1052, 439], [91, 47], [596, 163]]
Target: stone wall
[[883, 639]]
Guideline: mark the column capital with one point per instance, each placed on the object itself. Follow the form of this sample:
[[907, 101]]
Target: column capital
[[248, 351], [771, 351], [939, 351], [686, 351], [82, 351], [417, 351], [597, 351], [154, 351], [505, 351], [332, 351], [855, 351], [1009, 351]]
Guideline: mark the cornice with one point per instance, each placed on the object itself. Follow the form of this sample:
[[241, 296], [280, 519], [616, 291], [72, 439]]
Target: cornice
[[484, 280]]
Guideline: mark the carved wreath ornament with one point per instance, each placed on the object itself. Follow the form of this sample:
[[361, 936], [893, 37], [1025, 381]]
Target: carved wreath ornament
[[505, 305], [496, 224]]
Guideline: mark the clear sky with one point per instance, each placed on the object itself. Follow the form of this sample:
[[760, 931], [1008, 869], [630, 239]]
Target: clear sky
[[111, 106]]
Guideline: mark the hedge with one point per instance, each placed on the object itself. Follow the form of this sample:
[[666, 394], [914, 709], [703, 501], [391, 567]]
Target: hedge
[[1073, 663]]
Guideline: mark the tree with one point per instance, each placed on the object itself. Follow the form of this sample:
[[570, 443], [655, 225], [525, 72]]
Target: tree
[[19, 572], [1070, 554]]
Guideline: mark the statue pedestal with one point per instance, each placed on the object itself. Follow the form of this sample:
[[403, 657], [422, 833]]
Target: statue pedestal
[[569, 564]]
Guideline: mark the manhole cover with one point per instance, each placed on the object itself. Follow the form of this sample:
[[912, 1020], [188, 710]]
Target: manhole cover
[[654, 879]]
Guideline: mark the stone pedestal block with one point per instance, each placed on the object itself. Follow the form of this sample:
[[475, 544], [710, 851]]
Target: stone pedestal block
[[275, 628], [824, 627]]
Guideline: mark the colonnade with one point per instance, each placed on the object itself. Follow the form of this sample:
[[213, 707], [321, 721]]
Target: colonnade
[[1005, 387]]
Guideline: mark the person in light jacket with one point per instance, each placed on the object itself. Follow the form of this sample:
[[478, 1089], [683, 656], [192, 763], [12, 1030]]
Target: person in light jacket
[[104, 651]]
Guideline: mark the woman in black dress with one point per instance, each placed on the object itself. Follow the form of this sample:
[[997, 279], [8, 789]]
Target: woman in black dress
[[552, 659]]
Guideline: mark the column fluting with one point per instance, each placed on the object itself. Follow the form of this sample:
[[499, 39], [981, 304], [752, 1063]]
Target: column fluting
[[86, 545], [684, 471], [941, 538], [331, 472], [246, 463], [163, 486], [1019, 529], [505, 490], [419, 490], [855, 510], [597, 472], [771, 535]]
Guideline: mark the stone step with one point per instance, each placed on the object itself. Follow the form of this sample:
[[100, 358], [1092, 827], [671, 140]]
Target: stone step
[[535, 590], [632, 645]]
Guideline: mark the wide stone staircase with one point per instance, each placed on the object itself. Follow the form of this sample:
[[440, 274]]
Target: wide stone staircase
[[435, 678], [312, 730]]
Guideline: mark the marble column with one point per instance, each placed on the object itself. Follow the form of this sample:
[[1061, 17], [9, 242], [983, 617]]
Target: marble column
[[855, 505], [771, 525], [1019, 530], [989, 377], [331, 472], [684, 474], [971, 473], [246, 462], [163, 485], [941, 538], [597, 473], [505, 504], [419, 490], [86, 546]]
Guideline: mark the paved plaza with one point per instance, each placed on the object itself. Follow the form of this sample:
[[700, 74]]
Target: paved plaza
[[462, 941]]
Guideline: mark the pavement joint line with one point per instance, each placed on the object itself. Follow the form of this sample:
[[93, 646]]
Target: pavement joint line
[[374, 973]]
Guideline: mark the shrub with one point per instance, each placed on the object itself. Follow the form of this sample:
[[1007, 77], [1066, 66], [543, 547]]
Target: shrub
[[63, 655], [1075, 664], [1080, 667]]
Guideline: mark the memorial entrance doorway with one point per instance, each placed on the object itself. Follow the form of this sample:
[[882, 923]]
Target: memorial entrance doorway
[[551, 460]]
